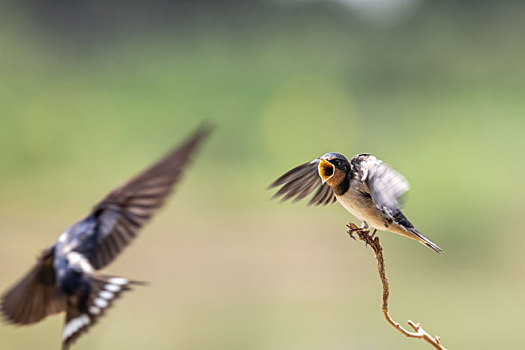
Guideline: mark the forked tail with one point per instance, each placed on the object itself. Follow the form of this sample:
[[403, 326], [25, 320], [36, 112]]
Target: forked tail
[[424, 240], [88, 305]]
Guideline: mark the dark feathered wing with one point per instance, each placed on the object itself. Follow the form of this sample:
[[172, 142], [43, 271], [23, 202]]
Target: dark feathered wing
[[36, 295], [123, 212], [386, 187], [301, 181]]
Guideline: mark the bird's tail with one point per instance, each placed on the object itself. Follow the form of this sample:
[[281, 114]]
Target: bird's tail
[[424, 240], [88, 305]]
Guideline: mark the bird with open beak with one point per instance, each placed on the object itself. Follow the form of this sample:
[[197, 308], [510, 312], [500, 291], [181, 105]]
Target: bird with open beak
[[65, 276], [365, 186]]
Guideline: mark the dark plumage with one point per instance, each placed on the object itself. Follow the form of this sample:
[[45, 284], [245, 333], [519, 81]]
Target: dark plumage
[[64, 277], [301, 181], [365, 186]]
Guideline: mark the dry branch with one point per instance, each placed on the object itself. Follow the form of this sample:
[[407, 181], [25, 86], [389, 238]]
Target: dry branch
[[373, 242]]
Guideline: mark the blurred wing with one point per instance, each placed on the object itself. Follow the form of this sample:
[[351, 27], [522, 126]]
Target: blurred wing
[[125, 210], [301, 181], [386, 186], [36, 295]]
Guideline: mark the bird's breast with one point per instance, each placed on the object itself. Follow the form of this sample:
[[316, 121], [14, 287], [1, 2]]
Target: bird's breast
[[363, 208]]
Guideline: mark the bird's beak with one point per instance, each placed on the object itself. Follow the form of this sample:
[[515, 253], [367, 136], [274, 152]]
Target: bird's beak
[[326, 170]]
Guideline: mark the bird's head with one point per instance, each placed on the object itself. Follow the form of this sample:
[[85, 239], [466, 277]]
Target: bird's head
[[333, 168]]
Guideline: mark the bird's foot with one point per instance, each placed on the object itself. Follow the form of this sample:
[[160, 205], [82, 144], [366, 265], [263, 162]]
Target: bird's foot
[[352, 228], [362, 232], [371, 237]]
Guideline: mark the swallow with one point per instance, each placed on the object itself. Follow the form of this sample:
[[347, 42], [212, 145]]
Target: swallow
[[66, 277], [365, 186]]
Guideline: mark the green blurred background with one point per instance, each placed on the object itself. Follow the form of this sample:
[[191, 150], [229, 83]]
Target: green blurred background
[[92, 92]]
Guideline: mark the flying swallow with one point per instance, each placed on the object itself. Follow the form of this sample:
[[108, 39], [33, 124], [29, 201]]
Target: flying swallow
[[365, 186], [65, 276]]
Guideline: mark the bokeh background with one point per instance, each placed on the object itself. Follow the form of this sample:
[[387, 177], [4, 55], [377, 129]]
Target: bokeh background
[[92, 92]]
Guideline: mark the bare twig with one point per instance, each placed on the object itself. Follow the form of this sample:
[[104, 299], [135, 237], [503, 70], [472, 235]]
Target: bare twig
[[418, 332]]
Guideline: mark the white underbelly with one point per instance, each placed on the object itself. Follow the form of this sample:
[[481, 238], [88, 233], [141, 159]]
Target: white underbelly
[[364, 210]]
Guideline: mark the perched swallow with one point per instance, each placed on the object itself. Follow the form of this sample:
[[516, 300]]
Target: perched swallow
[[365, 186], [65, 277]]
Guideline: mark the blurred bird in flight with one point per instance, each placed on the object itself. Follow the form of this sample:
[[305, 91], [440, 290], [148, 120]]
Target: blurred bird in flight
[[365, 186], [65, 276]]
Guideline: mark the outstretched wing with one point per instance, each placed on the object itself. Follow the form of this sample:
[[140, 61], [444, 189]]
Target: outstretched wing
[[386, 186], [301, 181], [126, 209], [36, 295]]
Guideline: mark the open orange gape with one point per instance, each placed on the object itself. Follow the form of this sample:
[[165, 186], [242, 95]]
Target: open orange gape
[[326, 170]]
